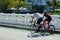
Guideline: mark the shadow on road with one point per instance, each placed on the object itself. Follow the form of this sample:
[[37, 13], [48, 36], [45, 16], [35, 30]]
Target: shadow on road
[[38, 35]]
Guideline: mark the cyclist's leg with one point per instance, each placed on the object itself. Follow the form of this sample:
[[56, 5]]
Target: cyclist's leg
[[38, 25], [49, 20]]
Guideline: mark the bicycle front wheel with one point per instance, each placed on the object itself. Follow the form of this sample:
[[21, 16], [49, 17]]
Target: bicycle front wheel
[[51, 29]]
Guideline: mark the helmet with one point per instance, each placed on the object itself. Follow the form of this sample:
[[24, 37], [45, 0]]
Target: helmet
[[45, 11], [37, 14]]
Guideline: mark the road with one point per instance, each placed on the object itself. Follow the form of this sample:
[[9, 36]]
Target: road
[[19, 34]]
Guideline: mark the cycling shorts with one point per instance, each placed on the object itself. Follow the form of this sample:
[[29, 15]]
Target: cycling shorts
[[39, 20]]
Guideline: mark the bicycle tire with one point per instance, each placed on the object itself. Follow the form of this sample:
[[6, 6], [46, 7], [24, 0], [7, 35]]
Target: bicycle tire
[[52, 29], [42, 30]]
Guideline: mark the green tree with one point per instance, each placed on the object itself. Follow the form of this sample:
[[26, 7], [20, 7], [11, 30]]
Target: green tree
[[13, 3], [50, 3], [4, 4], [16, 3], [23, 3], [1, 2]]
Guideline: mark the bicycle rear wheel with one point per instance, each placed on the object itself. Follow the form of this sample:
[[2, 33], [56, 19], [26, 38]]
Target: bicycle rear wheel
[[42, 30], [51, 29]]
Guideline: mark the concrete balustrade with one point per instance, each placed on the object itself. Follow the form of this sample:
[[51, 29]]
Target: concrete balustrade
[[24, 19]]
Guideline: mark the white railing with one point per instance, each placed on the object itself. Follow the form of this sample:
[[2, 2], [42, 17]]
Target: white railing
[[15, 18], [24, 19]]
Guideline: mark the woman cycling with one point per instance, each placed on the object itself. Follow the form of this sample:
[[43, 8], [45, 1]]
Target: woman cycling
[[48, 17]]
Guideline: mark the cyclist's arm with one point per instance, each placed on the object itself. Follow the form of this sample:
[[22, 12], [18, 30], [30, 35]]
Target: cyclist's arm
[[43, 17], [34, 20]]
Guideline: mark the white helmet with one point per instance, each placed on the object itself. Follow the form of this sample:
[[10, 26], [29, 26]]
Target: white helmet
[[37, 14]]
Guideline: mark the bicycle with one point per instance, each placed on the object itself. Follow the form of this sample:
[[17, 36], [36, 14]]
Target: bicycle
[[50, 28]]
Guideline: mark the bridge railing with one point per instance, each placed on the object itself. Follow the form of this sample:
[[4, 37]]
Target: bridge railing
[[24, 19]]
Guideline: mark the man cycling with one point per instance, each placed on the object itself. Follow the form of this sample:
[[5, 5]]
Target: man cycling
[[37, 19]]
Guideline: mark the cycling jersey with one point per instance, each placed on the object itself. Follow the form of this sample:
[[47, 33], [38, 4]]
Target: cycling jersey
[[47, 15]]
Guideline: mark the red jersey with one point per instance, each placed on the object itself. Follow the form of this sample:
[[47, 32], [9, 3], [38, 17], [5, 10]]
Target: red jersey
[[47, 15]]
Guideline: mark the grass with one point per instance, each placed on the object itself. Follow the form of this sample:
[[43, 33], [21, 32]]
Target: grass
[[54, 13]]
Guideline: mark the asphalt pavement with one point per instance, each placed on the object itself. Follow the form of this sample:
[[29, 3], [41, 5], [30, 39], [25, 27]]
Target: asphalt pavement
[[19, 34]]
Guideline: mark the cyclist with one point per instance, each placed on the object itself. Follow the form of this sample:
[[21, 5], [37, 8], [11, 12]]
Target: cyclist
[[37, 19], [48, 17]]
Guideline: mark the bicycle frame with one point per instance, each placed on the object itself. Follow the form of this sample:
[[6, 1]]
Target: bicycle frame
[[44, 25]]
